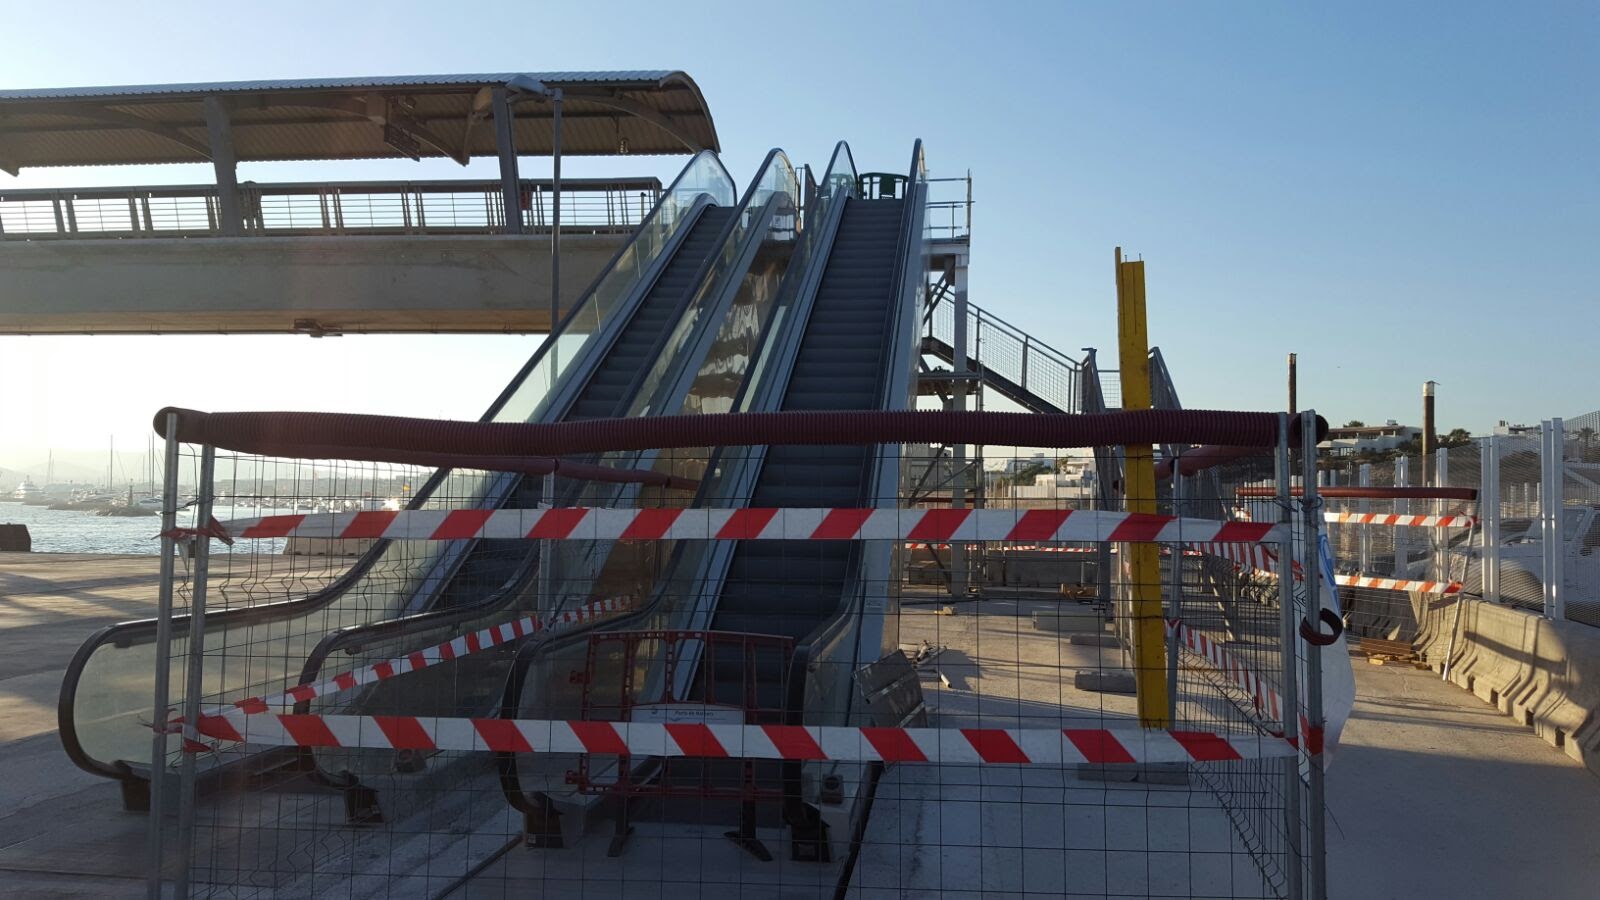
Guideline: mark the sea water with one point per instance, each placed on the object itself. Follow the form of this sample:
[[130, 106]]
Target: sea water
[[81, 531]]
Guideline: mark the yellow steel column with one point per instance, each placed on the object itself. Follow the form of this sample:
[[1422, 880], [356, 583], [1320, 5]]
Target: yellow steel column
[[1139, 478]]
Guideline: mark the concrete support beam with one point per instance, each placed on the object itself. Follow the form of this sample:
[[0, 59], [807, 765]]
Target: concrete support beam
[[401, 283]]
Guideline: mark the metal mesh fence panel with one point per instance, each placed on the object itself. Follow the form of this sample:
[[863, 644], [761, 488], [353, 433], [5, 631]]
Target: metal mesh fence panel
[[460, 712], [1580, 525]]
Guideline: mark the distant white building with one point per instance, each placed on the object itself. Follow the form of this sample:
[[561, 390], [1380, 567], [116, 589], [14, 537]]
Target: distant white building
[[1518, 430], [1074, 481], [1368, 438], [1017, 463]]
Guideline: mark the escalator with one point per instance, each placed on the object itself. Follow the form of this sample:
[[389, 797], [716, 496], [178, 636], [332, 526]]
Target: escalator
[[614, 380], [844, 340], [629, 310], [790, 587], [649, 368], [491, 564]]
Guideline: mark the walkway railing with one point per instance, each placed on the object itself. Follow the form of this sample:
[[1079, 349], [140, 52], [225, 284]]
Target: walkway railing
[[588, 206]]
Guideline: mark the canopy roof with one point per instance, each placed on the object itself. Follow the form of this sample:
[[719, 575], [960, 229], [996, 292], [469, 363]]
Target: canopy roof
[[603, 113]]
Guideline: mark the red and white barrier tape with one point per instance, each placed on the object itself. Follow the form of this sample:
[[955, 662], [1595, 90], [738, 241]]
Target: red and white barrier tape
[[1262, 693], [1399, 584], [466, 644], [1015, 548], [1232, 667], [1250, 556], [1001, 746], [1405, 521], [815, 524], [1263, 561], [1042, 548]]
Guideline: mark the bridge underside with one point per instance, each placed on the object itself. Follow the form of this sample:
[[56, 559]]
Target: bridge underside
[[312, 285]]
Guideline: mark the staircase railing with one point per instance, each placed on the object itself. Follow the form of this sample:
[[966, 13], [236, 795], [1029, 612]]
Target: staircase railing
[[999, 348]]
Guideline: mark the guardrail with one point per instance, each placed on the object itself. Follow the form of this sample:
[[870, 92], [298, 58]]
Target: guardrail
[[949, 216], [588, 206]]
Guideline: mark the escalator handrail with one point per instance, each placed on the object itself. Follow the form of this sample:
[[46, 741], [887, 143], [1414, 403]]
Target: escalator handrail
[[268, 612], [514, 586], [774, 157], [431, 620], [649, 607], [144, 630]]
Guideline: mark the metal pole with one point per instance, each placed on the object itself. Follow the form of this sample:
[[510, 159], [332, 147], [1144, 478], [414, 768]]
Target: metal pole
[[1365, 506], [1430, 441], [219, 129], [1550, 494], [1175, 598], [163, 651], [1490, 513], [1287, 635], [1311, 565], [960, 564], [194, 659], [506, 147], [1139, 480], [555, 212], [1294, 380], [1441, 536], [1402, 478]]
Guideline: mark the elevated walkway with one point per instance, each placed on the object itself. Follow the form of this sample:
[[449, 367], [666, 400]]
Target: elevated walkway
[[332, 257], [317, 259]]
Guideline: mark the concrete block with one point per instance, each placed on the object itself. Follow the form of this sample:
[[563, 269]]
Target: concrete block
[[15, 539], [1105, 682], [1093, 640], [1069, 620], [1543, 674]]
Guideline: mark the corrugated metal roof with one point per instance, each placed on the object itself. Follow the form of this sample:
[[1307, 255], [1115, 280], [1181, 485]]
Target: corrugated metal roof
[[604, 113], [645, 76]]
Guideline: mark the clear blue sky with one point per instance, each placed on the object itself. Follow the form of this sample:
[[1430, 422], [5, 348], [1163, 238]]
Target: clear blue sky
[[1397, 192]]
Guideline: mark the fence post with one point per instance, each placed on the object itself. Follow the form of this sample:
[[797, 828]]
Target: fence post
[[1365, 506], [1441, 536], [1489, 503], [1175, 598], [961, 350], [1288, 633], [194, 659], [1402, 478], [163, 660], [1551, 472], [1311, 566]]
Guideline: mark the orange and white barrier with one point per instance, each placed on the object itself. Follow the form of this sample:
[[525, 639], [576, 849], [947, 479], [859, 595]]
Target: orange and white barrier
[[1350, 518]]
